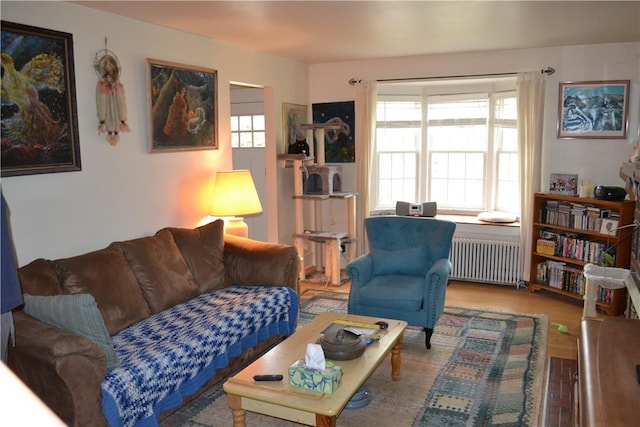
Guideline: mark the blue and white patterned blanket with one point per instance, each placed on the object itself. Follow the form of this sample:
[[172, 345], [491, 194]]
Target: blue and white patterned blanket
[[172, 353]]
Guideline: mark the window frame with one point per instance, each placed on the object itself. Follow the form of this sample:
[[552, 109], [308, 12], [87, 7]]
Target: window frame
[[492, 90], [252, 131]]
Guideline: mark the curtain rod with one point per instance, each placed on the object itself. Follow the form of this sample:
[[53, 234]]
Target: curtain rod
[[548, 71]]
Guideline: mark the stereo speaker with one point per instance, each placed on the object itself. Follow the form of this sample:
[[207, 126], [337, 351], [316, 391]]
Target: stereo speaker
[[410, 209]]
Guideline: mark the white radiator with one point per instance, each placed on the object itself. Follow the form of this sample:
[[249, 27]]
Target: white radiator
[[487, 261]]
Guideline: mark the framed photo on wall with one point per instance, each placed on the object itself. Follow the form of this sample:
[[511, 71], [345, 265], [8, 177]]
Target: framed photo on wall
[[183, 107], [39, 110], [293, 115], [596, 109]]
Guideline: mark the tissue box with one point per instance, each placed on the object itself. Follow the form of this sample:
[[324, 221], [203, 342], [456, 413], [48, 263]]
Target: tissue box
[[326, 380]]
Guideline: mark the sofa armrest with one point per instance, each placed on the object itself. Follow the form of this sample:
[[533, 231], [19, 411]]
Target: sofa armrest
[[64, 369], [251, 262]]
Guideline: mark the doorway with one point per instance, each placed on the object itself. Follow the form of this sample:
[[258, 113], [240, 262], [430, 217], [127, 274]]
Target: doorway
[[247, 105]]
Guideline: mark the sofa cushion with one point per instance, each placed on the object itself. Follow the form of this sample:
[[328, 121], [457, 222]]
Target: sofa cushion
[[76, 313], [163, 275], [406, 261], [107, 276], [203, 249], [39, 278]]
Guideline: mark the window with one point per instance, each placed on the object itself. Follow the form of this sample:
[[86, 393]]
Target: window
[[247, 131], [453, 144]]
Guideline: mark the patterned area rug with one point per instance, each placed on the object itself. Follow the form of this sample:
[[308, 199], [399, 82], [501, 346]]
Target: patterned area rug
[[319, 278], [485, 368]]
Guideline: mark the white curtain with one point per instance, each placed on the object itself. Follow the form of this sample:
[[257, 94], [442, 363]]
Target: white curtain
[[530, 90], [365, 109]]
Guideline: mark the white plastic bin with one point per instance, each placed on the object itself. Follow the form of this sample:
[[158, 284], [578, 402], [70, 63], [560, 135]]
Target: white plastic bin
[[597, 276]]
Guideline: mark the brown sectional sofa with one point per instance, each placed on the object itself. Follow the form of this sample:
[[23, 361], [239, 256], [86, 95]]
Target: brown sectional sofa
[[131, 282]]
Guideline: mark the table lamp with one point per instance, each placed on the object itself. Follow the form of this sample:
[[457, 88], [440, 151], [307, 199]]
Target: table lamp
[[235, 195]]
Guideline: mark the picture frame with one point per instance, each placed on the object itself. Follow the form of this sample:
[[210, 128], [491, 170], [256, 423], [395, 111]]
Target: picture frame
[[339, 144], [293, 115], [609, 227], [182, 106], [593, 109], [39, 121], [563, 184]]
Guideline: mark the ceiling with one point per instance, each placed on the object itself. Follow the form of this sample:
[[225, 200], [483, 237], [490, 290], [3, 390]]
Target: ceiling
[[330, 31]]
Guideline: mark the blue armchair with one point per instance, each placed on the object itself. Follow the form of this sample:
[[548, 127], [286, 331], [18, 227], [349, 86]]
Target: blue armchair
[[404, 275]]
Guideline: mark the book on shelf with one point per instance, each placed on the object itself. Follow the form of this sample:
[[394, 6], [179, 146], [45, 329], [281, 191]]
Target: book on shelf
[[579, 216], [545, 247], [560, 275], [574, 246]]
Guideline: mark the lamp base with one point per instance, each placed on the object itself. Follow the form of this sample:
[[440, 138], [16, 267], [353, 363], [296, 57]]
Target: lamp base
[[236, 226]]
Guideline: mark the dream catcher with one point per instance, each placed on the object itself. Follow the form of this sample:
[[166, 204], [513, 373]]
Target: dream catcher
[[110, 96]]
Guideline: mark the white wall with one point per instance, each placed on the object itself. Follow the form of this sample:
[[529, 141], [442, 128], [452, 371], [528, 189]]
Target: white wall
[[597, 160], [124, 192]]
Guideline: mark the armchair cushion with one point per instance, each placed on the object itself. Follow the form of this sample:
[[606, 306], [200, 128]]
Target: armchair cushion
[[407, 261], [397, 292]]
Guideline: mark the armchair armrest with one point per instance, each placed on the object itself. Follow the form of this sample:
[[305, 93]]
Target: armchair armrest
[[439, 272], [360, 270], [251, 262], [435, 289], [64, 369]]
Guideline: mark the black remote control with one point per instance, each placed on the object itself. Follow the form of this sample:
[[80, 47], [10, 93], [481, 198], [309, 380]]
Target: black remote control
[[276, 377], [638, 373]]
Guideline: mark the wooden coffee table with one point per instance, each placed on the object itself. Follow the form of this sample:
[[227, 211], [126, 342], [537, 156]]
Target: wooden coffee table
[[279, 400]]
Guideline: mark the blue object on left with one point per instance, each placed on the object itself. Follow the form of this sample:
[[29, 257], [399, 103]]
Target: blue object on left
[[11, 294]]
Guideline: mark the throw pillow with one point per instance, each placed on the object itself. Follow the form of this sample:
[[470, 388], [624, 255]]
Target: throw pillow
[[203, 250], [161, 271], [410, 261], [75, 313], [497, 217], [107, 276]]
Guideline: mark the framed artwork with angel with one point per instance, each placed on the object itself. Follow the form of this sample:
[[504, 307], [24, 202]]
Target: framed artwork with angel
[[39, 111]]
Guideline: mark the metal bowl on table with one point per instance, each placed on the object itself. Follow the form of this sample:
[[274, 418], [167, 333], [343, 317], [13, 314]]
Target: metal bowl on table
[[342, 345]]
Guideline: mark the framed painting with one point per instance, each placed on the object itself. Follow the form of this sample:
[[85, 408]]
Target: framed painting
[[293, 115], [39, 111], [339, 144], [183, 107], [595, 109]]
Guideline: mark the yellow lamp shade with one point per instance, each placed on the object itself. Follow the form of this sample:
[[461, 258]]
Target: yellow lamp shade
[[234, 194]]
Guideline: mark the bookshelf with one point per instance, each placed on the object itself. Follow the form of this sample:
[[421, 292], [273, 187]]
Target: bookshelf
[[570, 232]]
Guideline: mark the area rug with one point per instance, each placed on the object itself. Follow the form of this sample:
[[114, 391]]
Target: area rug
[[485, 368], [316, 301], [319, 278]]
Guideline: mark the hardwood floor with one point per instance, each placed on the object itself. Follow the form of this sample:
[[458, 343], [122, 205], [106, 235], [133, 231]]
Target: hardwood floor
[[558, 309]]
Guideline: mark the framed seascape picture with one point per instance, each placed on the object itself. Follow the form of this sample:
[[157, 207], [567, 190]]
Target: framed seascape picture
[[183, 108], [339, 144], [39, 110], [596, 109], [563, 184], [293, 115]]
